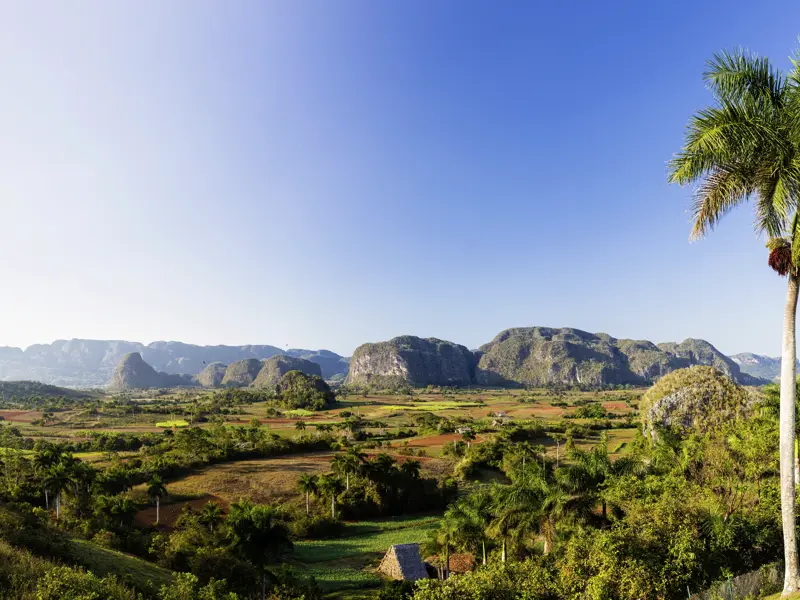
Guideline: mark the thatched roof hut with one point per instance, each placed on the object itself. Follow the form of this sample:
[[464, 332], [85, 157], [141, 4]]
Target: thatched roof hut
[[402, 561]]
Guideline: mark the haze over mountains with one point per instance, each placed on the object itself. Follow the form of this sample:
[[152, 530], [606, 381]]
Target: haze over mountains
[[90, 363]]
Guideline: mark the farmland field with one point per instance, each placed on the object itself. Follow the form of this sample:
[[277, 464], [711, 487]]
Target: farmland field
[[422, 427]]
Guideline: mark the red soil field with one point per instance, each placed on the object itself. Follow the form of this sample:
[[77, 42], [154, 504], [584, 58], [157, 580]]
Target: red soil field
[[20, 416]]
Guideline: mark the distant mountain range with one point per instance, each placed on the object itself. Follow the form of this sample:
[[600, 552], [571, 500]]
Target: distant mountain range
[[758, 365], [91, 363], [519, 356]]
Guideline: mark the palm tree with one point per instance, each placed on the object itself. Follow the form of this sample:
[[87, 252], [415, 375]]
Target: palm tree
[[468, 435], [156, 489], [211, 515], [746, 146], [300, 426], [329, 486], [308, 485], [58, 480], [471, 516]]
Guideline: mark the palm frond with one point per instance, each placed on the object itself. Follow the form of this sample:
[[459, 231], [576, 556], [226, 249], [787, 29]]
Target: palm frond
[[740, 74], [721, 190]]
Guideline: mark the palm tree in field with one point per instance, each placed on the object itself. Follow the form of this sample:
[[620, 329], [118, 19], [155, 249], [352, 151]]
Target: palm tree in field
[[300, 426], [308, 485], [746, 146], [157, 490], [468, 436], [210, 515], [471, 517]]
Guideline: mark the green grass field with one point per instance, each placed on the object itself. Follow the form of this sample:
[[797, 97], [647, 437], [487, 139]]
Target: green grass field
[[349, 562]]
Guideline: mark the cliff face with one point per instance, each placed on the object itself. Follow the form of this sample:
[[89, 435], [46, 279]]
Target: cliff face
[[543, 355], [242, 372], [412, 361], [276, 367]]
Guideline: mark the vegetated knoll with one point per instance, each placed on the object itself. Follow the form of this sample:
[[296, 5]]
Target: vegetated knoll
[[134, 373], [212, 375], [544, 355], [697, 398], [409, 360], [276, 367], [298, 390], [242, 372], [330, 362]]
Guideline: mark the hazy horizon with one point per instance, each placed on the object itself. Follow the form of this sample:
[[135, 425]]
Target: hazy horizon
[[312, 175]]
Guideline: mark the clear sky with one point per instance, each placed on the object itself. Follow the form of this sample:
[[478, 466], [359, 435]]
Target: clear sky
[[323, 174]]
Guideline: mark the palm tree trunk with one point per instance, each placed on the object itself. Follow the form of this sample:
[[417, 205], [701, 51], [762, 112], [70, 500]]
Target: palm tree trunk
[[483, 547], [347, 478], [46, 499], [307, 509], [791, 582], [58, 505], [503, 554], [333, 507], [447, 561], [158, 509]]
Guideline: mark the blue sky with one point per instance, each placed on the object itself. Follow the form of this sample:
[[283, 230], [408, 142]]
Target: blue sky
[[322, 174]]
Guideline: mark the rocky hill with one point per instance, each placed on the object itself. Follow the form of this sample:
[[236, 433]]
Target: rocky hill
[[533, 356], [696, 399], [543, 355], [412, 361], [276, 367], [242, 372], [212, 375], [90, 363], [133, 372]]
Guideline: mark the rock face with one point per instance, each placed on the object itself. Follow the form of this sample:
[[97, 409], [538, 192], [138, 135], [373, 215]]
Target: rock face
[[698, 398], [276, 367], [242, 372], [298, 390], [212, 375], [409, 360], [543, 355], [133, 373], [331, 363]]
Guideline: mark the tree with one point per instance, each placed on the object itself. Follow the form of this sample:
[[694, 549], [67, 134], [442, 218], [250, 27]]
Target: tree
[[210, 515], [468, 436], [470, 518], [300, 426], [746, 146], [308, 485], [259, 536], [329, 487], [58, 480], [156, 490]]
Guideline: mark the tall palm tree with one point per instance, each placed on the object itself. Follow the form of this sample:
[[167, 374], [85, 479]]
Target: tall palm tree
[[747, 146], [329, 486], [471, 517], [308, 485], [157, 490], [58, 480]]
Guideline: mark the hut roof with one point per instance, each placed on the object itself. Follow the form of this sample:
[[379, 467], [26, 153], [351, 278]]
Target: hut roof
[[402, 561]]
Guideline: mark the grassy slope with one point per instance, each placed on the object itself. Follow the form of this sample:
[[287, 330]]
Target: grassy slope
[[103, 561]]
